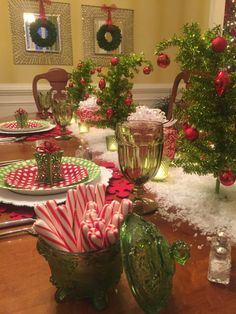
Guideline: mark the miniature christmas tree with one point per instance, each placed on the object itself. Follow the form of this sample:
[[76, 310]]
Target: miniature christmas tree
[[80, 85], [207, 133], [114, 95]]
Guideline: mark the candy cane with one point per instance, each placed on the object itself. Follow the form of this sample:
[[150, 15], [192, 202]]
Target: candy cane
[[85, 226], [105, 213], [100, 191], [62, 226], [95, 239], [43, 213], [111, 235], [126, 207], [116, 219], [90, 192], [115, 207], [100, 225], [66, 228], [49, 236], [71, 199], [81, 198]]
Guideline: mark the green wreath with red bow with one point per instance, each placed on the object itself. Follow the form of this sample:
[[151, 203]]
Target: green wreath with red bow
[[115, 35], [51, 33]]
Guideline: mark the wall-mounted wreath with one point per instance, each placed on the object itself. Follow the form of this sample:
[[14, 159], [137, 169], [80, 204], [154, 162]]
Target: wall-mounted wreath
[[51, 33], [115, 35]]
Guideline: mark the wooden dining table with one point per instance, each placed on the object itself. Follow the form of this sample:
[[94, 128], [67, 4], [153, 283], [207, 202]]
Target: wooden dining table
[[24, 274]]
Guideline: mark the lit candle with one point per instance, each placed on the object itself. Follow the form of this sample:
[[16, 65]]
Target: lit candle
[[163, 171], [111, 143], [83, 127]]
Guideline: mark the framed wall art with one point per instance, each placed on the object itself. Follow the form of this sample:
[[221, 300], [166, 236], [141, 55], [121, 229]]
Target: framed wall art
[[92, 19], [22, 13]]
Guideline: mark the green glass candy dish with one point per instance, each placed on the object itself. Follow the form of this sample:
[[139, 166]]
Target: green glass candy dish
[[147, 258], [83, 275], [149, 262]]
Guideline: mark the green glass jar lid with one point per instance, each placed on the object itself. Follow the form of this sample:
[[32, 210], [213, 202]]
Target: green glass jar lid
[[149, 262]]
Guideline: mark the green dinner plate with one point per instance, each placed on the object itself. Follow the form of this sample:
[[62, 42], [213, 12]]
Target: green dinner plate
[[93, 173], [40, 125]]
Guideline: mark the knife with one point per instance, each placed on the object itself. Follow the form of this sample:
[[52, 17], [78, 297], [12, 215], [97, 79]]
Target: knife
[[19, 222]]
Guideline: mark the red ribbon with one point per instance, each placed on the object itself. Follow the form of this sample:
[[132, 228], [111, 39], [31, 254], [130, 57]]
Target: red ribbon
[[47, 147], [42, 14], [109, 9], [20, 111]]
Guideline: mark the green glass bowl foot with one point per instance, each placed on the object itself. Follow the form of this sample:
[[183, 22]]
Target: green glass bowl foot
[[100, 301], [62, 294]]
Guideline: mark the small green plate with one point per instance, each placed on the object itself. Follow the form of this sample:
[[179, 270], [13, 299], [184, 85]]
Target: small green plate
[[93, 173]]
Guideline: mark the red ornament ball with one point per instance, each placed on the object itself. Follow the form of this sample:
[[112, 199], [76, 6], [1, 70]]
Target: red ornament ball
[[86, 96], [99, 69], [102, 83], [227, 177], [82, 81], [109, 113], [114, 60], [128, 101], [163, 60], [92, 71], [191, 134], [218, 44], [99, 101], [221, 82], [147, 70]]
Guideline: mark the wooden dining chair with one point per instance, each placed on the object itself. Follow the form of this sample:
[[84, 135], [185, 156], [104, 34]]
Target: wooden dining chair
[[57, 78], [184, 75]]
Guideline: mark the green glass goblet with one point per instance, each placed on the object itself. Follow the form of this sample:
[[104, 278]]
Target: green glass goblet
[[140, 146], [62, 111], [45, 100]]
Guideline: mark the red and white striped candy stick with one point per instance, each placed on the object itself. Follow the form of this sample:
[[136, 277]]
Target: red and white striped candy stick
[[95, 239], [42, 212], [49, 235], [99, 224], [90, 192], [77, 231], [90, 215], [100, 191], [81, 198], [106, 213], [67, 231], [126, 206], [71, 199], [62, 227], [116, 219], [111, 235], [115, 207], [85, 227]]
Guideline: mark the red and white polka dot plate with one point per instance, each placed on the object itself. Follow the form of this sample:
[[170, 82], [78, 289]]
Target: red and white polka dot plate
[[26, 177]]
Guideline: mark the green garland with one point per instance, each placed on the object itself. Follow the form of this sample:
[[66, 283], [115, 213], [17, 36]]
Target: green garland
[[37, 39], [115, 34]]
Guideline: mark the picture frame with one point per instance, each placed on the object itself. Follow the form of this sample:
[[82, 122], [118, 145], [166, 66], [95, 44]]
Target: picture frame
[[92, 19], [21, 55]]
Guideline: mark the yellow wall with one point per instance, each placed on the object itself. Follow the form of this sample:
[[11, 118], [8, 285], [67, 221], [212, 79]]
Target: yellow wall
[[153, 20]]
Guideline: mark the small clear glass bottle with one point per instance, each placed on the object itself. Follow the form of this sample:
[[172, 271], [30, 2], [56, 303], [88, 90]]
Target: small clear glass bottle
[[220, 259]]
